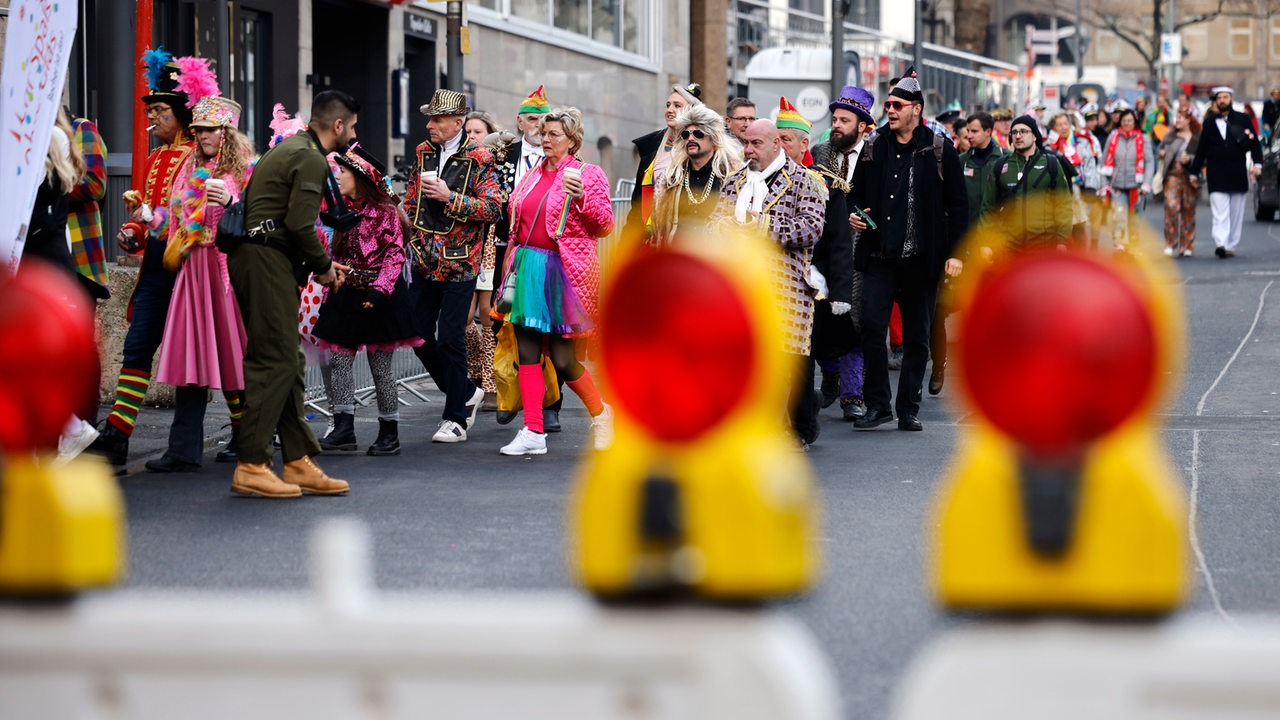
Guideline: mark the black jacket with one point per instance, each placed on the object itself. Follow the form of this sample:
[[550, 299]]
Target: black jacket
[[833, 255], [1225, 157], [942, 207], [647, 146]]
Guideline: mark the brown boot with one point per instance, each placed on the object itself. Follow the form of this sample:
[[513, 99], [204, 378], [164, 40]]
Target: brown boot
[[308, 476], [260, 480]]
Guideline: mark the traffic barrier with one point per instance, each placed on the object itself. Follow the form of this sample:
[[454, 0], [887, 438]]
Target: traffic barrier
[[1192, 668], [345, 651]]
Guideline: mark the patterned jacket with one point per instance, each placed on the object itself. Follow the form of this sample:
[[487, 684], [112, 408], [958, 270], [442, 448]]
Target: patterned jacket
[[85, 220], [585, 222], [162, 167], [376, 245], [794, 213], [447, 241]]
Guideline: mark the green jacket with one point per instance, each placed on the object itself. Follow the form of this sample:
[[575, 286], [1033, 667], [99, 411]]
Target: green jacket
[[1031, 210], [976, 177], [286, 187]]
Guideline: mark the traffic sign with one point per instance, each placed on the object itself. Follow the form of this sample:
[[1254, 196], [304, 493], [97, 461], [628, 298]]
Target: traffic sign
[[1170, 49]]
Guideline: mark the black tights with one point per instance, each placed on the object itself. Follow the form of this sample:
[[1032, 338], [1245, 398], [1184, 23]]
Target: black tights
[[560, 349]]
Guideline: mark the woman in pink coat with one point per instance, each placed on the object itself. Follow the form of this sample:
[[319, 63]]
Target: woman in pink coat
[[558, 212]]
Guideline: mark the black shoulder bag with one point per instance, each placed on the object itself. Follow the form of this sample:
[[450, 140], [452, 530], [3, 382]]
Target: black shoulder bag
[[231, 230]]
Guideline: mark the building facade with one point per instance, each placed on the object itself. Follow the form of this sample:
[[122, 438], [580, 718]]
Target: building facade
[[613, 59]]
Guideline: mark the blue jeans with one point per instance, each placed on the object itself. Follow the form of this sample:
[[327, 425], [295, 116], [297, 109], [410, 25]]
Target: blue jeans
[[150, 308], [441, 311]]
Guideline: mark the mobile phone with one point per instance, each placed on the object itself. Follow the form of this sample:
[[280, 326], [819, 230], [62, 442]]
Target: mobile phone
[[862, 214]]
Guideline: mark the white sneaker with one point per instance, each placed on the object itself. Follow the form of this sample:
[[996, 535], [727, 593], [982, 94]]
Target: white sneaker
[[602, 428], [1168, 252], [473, 407], [526, 442], [1187, 253], [77, 436], [450, 432]]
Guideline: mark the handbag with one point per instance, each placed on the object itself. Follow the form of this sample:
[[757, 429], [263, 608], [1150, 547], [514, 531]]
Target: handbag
[[507, 297], [507, 377], [176, 250], [231, 230]]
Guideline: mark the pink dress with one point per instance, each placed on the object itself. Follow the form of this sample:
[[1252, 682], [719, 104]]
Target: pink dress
[[204, 338]]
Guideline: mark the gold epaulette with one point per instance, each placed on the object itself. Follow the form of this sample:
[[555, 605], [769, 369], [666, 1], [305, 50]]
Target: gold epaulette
[[817, 183]]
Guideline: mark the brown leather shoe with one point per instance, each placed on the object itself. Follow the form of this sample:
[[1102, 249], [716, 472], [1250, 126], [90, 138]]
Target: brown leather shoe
[[308, 476], [261, 480]]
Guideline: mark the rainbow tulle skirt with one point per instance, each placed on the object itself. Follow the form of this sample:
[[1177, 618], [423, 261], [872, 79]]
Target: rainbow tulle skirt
[[545, 299]]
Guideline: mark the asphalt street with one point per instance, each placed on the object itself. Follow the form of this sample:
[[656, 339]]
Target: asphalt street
[[462, 517]]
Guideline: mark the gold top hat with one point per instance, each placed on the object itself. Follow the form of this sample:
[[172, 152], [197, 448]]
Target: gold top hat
[[446, 102]]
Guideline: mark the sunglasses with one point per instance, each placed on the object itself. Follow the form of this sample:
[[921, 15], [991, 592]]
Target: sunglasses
[[896, 105], [696, 133]]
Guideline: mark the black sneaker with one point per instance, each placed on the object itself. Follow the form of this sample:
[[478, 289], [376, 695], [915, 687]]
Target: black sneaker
[[111, 444], [830, 389]]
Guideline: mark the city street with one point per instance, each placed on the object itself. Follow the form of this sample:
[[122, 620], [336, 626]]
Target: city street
[[464, 518]]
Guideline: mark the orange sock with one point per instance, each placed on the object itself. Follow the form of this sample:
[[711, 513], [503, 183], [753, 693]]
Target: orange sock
[[584, 387]]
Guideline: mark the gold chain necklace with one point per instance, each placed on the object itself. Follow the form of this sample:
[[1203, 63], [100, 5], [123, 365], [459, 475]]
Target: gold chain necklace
[[706, 191]]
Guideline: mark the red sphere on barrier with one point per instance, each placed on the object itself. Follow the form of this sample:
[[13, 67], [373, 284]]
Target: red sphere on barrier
[[1058, 350], [678, 344], [48, 356]]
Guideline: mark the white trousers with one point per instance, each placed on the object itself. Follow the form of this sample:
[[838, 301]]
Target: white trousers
[[1228, 217]]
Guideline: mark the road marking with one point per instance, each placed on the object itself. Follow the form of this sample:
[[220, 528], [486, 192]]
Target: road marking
[[1195, 464]]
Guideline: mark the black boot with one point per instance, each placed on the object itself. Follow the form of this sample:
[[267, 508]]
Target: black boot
[[111, 444], [343, 435], [229, 454], [388, 442]]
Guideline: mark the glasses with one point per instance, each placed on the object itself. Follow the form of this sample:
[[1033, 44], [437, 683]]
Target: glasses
[[896, 105], [744, 118], [157, 110], [553, 135], [696, 133], [1020, 132]]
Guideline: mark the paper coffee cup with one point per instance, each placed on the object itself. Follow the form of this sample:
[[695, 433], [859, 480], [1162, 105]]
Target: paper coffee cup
[[573, 173], [428, 176], [213, 183]]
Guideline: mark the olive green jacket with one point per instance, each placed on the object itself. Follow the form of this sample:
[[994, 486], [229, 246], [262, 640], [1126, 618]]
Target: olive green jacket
[[287, 187]]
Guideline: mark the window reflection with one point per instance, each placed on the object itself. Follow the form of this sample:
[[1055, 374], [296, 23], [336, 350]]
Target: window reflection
[[619, 23]]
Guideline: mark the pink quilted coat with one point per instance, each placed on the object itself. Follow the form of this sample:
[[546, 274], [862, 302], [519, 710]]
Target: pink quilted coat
[[587, 220]]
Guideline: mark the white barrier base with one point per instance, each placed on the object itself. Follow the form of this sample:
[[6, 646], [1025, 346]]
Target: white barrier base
[[348, 653], [1190, 668]]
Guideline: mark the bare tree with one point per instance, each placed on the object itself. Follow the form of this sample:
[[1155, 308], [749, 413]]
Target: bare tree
[[1140, 26]]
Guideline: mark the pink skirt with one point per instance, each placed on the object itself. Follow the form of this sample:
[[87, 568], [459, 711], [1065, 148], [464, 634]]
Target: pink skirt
[[204, 338]]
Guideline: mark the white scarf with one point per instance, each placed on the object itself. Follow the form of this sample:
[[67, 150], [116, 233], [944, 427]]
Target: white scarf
[[755, 189]]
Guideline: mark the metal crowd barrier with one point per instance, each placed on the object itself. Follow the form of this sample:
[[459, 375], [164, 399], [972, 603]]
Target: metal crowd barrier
[[406, 365]]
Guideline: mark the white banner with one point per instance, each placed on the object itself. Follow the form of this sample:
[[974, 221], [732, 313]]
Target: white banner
[[36, 52]]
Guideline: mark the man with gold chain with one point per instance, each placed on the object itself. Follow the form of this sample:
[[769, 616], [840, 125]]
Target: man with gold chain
[[703, 157]]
